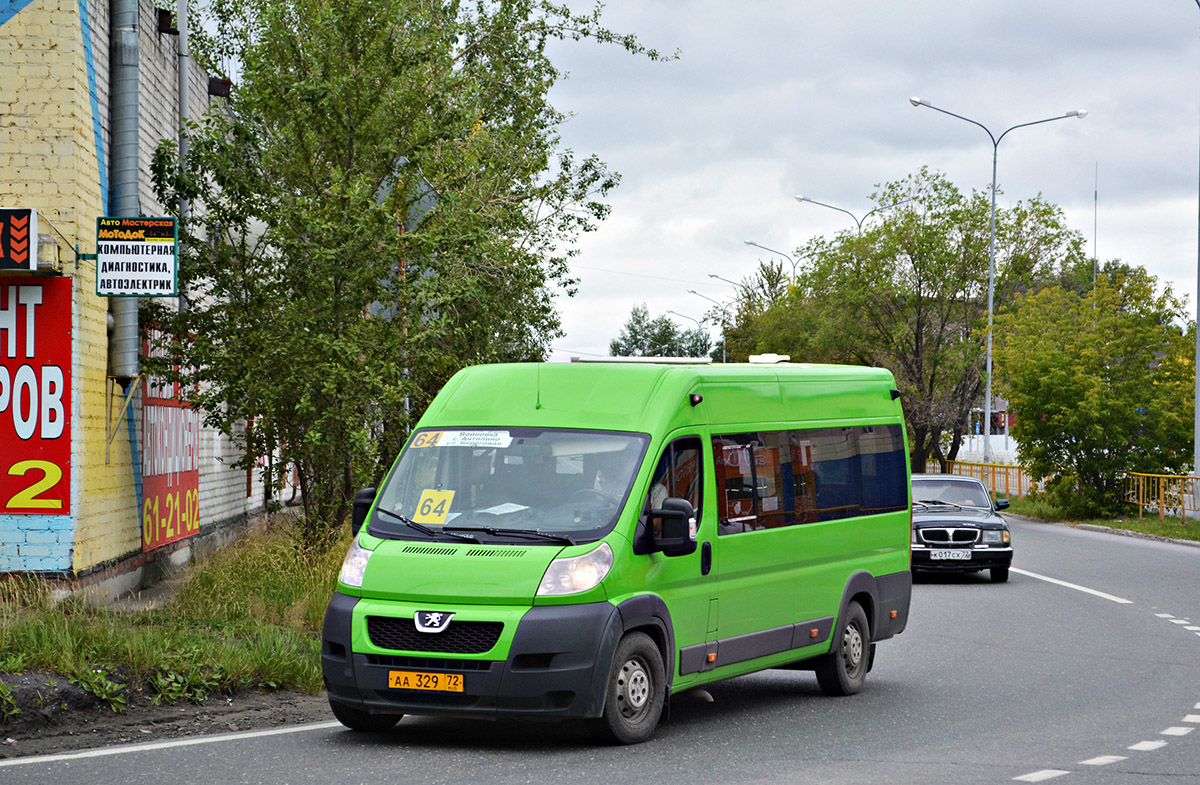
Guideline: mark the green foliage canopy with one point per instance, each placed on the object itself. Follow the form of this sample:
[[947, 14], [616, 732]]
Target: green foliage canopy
[[1101, 384], [384, 200], [645, 337], [909, 293]]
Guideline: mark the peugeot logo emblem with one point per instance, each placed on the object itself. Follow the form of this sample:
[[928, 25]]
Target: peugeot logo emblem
[[432, 621]]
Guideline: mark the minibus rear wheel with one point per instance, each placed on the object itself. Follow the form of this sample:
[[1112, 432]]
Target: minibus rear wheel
[[636, 692], [844, 669], [356, 719]]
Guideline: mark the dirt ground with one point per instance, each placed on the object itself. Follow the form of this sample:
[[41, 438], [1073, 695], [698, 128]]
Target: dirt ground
[[57, 716]]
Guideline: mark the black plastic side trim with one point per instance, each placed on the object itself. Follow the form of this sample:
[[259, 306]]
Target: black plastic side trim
[[740, 648], [895, 594]]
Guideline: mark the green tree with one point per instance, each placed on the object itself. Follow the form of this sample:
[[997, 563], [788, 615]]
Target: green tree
[[1101, 384], [660, 337], [384, 200], [909, 293]]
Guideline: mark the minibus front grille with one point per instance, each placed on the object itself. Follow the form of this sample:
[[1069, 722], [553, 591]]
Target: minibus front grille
[[949, 536], [428, 663], [459, 637]]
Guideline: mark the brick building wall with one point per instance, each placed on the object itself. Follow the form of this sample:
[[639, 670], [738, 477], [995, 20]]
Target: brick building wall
[[54, 148]]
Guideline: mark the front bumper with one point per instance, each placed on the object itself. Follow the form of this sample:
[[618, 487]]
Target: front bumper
[[556, 666], [980, 559]]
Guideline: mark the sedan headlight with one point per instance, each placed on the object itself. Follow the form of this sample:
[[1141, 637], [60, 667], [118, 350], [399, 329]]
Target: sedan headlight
[[354, 565], [576, 574], [996, 535]]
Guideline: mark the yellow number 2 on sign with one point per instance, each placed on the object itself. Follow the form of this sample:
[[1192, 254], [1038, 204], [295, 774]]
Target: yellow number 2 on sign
[[433, 507]]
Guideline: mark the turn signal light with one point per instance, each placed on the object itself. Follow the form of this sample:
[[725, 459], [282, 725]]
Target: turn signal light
[[894, 614], [813, 633], [712, 656]]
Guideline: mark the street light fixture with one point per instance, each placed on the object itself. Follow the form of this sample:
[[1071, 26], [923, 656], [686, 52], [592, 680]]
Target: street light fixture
[[685, 316], [987, 401], [724, 309], [857, 220], [781, 253]]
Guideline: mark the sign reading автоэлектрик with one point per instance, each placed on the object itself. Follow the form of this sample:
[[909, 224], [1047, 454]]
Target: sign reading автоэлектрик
[[136, 257]]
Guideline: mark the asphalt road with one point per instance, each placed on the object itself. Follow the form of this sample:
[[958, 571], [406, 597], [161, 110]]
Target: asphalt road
[[1093, 679]]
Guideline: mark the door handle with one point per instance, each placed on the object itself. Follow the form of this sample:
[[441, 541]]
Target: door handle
[[706, 558]]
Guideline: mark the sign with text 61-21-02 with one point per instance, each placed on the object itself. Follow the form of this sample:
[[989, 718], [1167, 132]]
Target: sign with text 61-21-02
[[35, 395], [170, 458]]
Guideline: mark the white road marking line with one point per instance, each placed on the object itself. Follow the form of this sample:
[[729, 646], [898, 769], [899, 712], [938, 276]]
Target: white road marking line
[[1103, 760], [1041, 776], [1192, 717], [1180, 621], [1164, 616], [1147, 746], [1076, 587], [161, 745], [1176, 731], [1191, 629]]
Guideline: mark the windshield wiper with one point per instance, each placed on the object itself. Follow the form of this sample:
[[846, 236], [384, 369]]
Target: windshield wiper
[[929, 502], [517, 533], [428, 532]]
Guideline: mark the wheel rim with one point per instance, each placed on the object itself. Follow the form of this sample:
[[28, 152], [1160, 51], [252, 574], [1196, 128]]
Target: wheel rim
[[633, 689], [852, 648]]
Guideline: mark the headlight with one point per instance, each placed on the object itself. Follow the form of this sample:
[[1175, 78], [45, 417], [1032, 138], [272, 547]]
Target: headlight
[[354, 565], [574, 575], [996, 535]]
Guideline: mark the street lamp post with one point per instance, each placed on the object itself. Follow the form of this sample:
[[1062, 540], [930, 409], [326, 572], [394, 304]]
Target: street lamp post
[[781, 253], [725, 313], [1196, 390], [987, 400], [857, 220]]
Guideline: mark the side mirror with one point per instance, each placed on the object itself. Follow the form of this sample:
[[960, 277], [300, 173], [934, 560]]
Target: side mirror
[[1001, 504], [677, 534], [362, 505]]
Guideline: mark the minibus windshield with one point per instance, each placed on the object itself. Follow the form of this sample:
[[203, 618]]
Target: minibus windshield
[[509, 483]]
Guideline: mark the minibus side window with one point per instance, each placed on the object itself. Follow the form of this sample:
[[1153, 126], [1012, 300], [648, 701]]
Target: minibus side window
[[677, 474], [783, 478], [752, 492]]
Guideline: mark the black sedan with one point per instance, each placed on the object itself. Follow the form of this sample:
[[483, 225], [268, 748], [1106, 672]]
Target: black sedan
[[956, 528]]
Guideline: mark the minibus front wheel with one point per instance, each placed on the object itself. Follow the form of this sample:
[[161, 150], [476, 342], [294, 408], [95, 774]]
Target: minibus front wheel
[[636, 692], [356, 719]]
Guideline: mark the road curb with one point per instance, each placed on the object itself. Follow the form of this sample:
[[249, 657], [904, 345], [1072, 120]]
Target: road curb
[[1092, 527]]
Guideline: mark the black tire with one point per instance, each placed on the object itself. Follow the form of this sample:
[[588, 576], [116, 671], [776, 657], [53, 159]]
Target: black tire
[[636, 692], [999, 574], [844, 669], [357, 719]]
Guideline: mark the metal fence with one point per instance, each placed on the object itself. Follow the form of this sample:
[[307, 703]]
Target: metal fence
[[1164, 494], [1004, 480]]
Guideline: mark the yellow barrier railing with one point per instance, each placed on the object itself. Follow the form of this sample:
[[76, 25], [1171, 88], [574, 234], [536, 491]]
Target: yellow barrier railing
[[1169, 494], [1003, 480]]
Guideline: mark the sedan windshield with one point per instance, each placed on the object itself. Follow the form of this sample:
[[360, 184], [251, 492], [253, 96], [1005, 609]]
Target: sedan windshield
[[536, 485], [952, 492]]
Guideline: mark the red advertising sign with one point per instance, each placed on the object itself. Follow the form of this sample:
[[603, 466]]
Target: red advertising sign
[[170, 461], [35, 395]]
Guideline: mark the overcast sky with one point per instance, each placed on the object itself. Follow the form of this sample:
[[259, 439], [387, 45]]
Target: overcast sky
[[770, 99]]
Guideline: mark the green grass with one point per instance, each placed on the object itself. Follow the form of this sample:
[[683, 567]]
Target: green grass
[[248, 617], [1171, 527]]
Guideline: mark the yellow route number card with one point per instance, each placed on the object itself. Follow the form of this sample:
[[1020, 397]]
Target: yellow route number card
[[433, 507]]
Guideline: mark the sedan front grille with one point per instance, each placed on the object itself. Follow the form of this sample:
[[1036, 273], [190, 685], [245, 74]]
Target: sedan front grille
[[459, 637], [949, 535]]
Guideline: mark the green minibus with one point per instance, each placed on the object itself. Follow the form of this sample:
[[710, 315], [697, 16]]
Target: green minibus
[[584, 540]]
